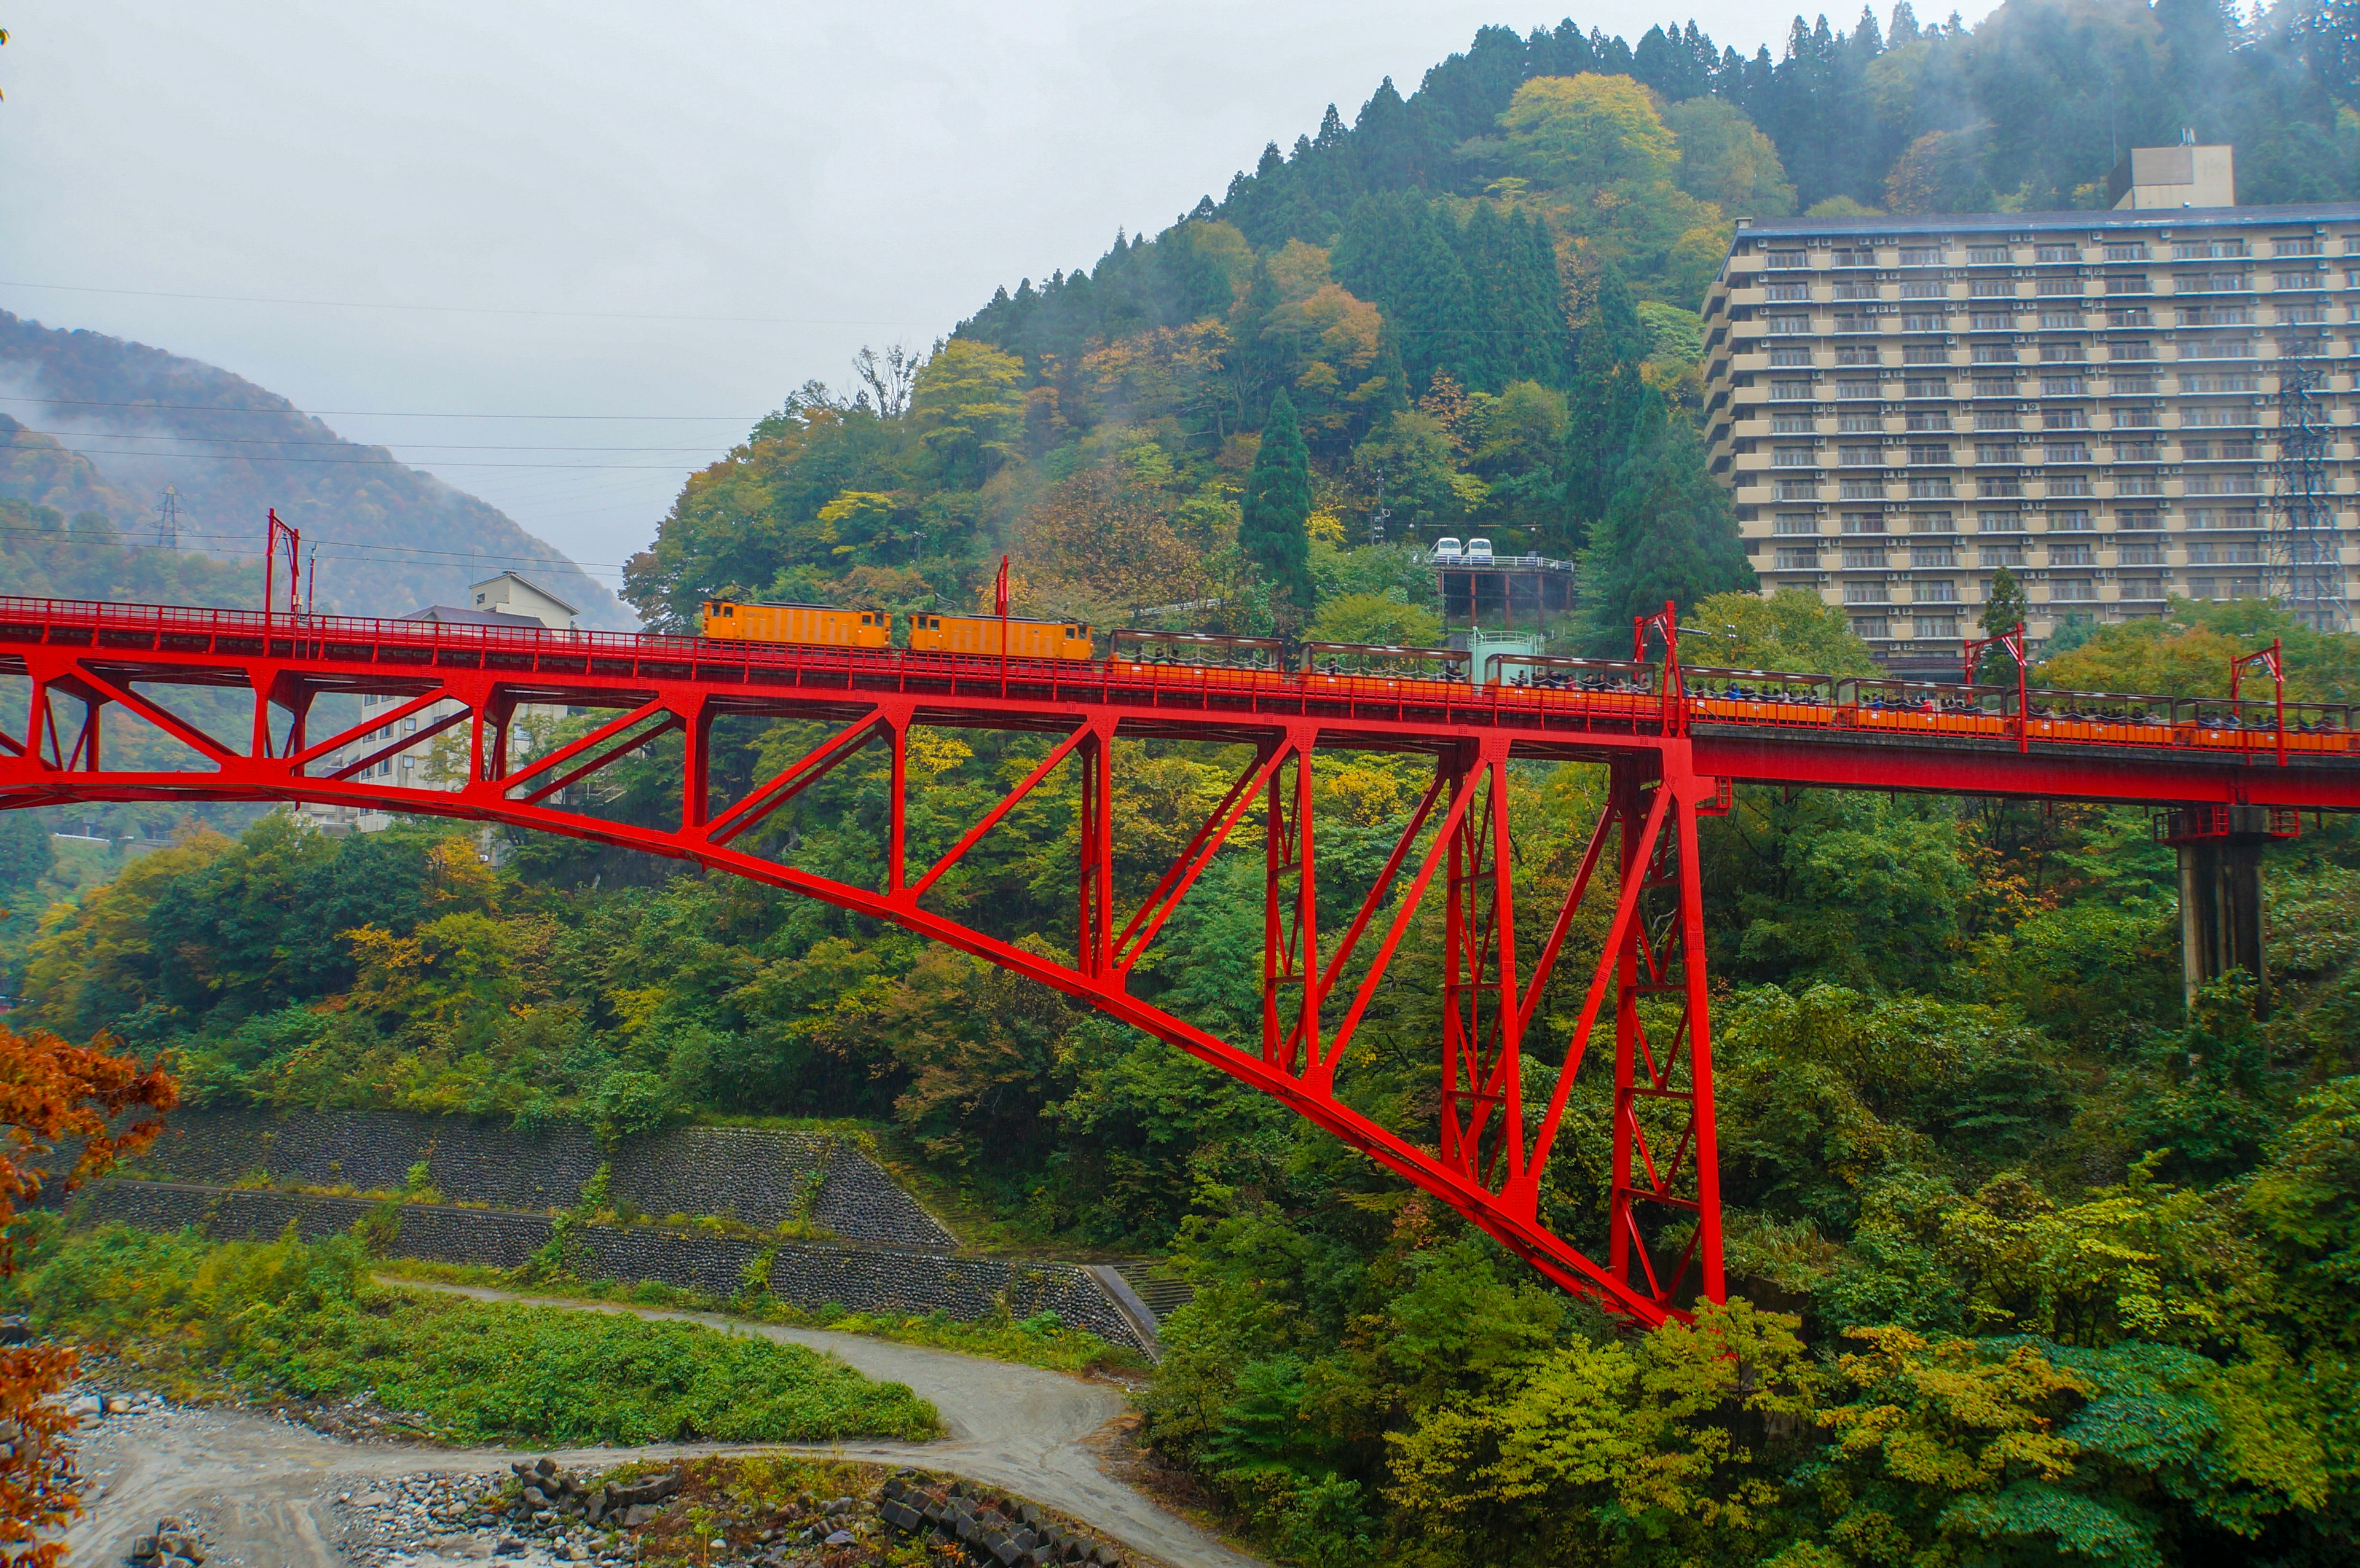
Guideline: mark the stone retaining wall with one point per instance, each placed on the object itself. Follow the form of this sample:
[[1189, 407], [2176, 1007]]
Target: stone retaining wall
[[806, 1274], [759, 1176]]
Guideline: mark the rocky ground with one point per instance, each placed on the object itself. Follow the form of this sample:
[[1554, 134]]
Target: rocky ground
[[313, 1486]]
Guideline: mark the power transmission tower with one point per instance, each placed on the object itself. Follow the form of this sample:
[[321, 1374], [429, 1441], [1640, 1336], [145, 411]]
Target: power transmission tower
[[168, 519], [2306, 556]]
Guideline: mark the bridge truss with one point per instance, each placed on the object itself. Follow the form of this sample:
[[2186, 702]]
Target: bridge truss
[[1496, 1153]]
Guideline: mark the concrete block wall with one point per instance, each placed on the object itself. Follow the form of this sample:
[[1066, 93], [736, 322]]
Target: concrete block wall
[[759, 1176], [813, 1275]]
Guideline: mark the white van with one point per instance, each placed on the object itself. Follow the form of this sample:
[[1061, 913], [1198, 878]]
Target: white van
[[1448, 549], [1477, 549]]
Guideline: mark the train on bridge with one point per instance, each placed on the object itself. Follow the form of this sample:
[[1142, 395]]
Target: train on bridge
[[1638, 689]]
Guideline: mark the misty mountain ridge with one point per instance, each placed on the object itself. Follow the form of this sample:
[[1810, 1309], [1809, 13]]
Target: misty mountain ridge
[[133, 420]]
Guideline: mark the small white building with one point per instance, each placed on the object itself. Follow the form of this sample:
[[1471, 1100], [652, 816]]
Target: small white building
[[507, 600]]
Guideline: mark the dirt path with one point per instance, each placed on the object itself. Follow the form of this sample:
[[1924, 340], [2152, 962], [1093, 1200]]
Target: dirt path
[[265, 1486]]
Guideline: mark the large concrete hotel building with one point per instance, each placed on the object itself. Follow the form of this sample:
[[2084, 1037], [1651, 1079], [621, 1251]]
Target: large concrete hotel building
[[2090, 399]]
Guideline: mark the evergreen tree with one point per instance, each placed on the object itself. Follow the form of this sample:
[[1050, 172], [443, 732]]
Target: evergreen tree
[[1274, 527], [2004, 611], [1670, 533], [1433, 300]]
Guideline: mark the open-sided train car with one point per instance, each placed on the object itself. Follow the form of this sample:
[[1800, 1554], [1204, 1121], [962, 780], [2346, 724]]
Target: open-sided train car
[[1365, 667], [1610, 688], [1926, 707], [1208, 658], [2252, 724], [1781, 697], [2097, 718]]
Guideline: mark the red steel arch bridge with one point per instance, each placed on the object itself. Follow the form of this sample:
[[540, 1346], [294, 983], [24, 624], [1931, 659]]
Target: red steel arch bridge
[[1673, 738]]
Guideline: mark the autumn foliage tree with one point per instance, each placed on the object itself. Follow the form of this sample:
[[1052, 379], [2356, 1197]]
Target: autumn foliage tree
[[51, 1091]]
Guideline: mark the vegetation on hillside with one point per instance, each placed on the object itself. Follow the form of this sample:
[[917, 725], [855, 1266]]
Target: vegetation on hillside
[[302, 1320], [2039, 1264], [401, 537]]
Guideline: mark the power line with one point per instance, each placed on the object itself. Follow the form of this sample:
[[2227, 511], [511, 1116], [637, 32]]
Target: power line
[[290, 441], [294, 413], [470, 309], [356, 462]]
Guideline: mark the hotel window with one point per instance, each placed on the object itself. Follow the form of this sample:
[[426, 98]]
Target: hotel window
[[2130, 350], [1777, 259], [2068, 452], [1996, 451], [1854, 456], [1995, 353], [2069, 483], [1859, 425], [1855, 390], [1999, 555], [1860, 490], [1930, 490], [1790, 391], [2068, 555], [2142, 588], [2298, 279], [2130, 283], [1790, 358], [1921, 256], [1998, 488], [1941, 591], [1933, 626], [1866, 594], [1863, 522], [2057, 322], [1924, 421], [1796, 489], [1793, 457], [1925, 386], [1790, 424], [1790, 293], [1992, 288], [2068, 522], [2073, 591], [1855, 291], [1798, 559], [1868, 626], [1866, 559], [1929, 452], [1987, 322], [1923, 322], [1797, 523], [1926, 290], [2125, 252], [1987, 256], [2057, 253], [2060, 386], [2296, 245], [1926, 353], [1933, 555], [1789, 325], [1856, 355]]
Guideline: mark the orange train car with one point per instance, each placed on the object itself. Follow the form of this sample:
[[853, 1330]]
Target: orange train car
[[820, 626], [982, 635]]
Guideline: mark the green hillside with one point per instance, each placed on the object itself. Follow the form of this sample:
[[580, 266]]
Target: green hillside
[[406, 537], [2036, 1264]]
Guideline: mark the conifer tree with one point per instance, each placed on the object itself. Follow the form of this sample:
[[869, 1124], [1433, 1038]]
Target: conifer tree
[[1274, 527], [1670, 533]]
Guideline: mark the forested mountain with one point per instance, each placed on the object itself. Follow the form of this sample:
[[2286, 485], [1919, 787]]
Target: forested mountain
[[1477, 301], [2037, 1264], [403, 536]]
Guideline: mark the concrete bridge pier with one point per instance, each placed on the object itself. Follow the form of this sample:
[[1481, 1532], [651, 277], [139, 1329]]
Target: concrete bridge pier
[[2221, 891]]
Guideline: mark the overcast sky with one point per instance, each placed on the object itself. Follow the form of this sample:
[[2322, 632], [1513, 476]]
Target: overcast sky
[[673, 213]]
